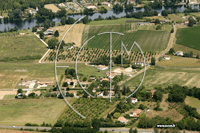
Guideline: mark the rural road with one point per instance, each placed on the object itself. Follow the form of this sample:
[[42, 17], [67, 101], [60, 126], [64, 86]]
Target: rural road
[[101, 129]]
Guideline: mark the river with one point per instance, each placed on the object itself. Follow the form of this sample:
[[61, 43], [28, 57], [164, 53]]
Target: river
[[25, 24]]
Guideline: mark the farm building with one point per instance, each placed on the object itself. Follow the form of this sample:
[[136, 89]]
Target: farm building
[[99, 94], [122, 119], [134, 100], [166, 57], [179, 53], [102, 67], [61, 5], [49, 32], [91, 7], [135, 113], [33, 11], [40, 28], [111, 92], [113, 74], [106, 3], [70, 47], [186, 22], [143, 23], [104, 79], [139, 63]]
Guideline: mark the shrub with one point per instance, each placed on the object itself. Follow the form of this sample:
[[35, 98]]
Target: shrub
[[116, 115]]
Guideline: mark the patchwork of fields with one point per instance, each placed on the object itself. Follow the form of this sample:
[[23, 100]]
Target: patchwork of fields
[[164, 77], [149, 40], [189, 37], [20, 112]]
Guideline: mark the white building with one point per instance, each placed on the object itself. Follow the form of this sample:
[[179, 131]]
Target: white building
[[166, 57], [102, 67], [91, 7], [134, 100], [179, 53], [106, 3], [139, 63]]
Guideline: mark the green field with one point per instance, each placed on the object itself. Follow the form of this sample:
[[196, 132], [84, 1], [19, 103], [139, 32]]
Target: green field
[[90, 108], [149, 40], [157, 76], [9, 97], [175, 18], [189, 37], [18, 46], [194, 102], [111, 22], [20, 112]]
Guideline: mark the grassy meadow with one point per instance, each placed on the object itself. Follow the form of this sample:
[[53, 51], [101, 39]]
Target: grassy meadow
[[194, 102], [176, 61], [149, 40], [163, 77], [189, 37], [19, 46], [20, 112], [176, 18]]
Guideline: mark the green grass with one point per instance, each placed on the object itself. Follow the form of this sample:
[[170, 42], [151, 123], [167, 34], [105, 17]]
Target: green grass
[[20, 112], [189, 37], [175, 18], [111, 22], [149, 41], [163, 77], [9, 97], [194, 102], [18, 46]]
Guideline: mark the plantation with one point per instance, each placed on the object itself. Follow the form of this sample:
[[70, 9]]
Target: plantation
[[148, 40], [90, 108], [189, 37], [91, 54]]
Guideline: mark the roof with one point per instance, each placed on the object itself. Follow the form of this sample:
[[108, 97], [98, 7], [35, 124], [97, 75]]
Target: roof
[[133, 98], [137, 112], [111, 92], [102, 66], [121, 118], [105, 2], [68, 80], [152, 92], [112, 74], [105, 79], [74, 80]]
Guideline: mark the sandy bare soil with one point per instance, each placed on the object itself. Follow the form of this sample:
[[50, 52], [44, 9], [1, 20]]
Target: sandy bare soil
[[52, 7], [74, 35], [3, 93]]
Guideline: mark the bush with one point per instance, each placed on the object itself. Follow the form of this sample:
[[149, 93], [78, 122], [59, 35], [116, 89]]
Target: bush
[[34, 29], [116, 115]]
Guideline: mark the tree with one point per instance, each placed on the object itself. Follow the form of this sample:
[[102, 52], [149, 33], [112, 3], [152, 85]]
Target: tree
[[96, 123], [158, 27], [17, 14], [157, 21], [153, 61], [52, 43], [31, 95], [41, 35], [158, 95], [198, 57], [191, 21], [171, 51], [47, 23], [34, 29], [85, 78], [130, 130], [116, 88], [172, 30], [56, 33], [65, 84], [63, 20], [70, 20], [191, 54], [19, 91], [85, 20]]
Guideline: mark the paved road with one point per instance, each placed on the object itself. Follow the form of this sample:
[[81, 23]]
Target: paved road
[[102, 129]]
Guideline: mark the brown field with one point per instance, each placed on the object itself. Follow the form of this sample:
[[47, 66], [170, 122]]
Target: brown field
[[194, 102], [3, 93], [17, 131], [51, 7], [74, 35], [176, 61], [185, 49], [156, 17]]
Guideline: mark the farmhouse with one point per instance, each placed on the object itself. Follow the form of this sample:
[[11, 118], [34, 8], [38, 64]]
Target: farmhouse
[[152, 92], [91, 7], [61, 5], [70, 47], [40, 28], [102, 67], [49, 32], [111, 92], [99, 94], [186, 22], [179, 53], [135, 113], [33, 11], [166, 57], [113, 74], [106, 3], [143, 23], [139, 63], [134, 100], [104, 79], [122, 119]]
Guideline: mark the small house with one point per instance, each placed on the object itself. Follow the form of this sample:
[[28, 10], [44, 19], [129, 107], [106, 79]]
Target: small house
[[166, 57], [122, 119], [106, 4], [102, 67], [179, 53], [141, 63], [134, 100], [135, 113], [143, 23]]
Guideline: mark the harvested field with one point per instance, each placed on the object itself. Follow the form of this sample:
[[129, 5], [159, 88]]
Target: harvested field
[[74, 35], [19, 112], [4, 93], [164, 77], [194, 102], [52, 7], [17, 131]]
